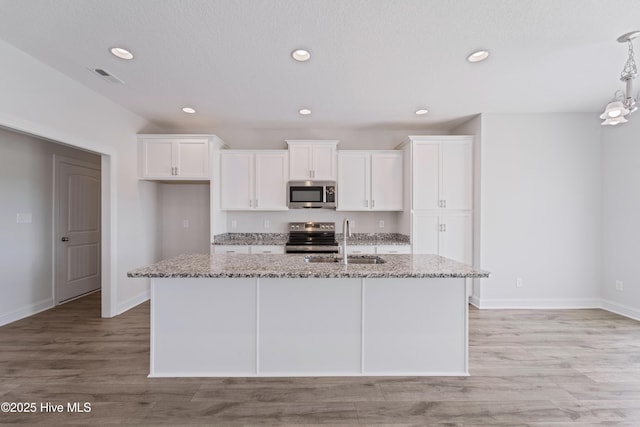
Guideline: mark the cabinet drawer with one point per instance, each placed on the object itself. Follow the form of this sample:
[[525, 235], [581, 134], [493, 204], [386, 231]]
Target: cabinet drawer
[[361, 249], [230, 249], [393, 249], [267, 249]]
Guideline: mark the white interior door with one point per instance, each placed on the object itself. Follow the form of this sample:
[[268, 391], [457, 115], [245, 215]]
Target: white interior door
[[77, 229]]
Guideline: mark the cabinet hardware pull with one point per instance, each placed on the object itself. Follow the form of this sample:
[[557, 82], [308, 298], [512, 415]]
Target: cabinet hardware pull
[[250, 203], [373, 204], [256, 203], [65, 239]]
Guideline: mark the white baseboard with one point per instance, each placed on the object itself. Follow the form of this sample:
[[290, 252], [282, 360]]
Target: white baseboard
[[474, 301], [132, 302], [26, 311], [621, 309], [536, 303]]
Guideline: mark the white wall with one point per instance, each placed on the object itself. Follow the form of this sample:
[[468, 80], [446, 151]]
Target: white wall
[[540, 210], [26, 249], [474, 127], [179, 203], [39, 100], [361, 222], [621, 224], [366, 138]]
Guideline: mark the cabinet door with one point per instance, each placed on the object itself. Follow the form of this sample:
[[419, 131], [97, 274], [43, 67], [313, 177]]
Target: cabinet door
[[457, 175], [272, 173], [425, 233], [386, 181], [353, 181], [192, 158], [323, 166], [426, 175], [456, 237], [236, 181], [157, 158], [300, 162]]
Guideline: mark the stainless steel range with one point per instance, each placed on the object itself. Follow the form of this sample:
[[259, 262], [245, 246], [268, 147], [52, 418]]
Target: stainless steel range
[[312, 237]]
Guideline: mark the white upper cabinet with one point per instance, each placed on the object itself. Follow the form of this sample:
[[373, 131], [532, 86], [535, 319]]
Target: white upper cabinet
[[312, 160], [370, 180], [254, 180], [443, 174], [174, 158]]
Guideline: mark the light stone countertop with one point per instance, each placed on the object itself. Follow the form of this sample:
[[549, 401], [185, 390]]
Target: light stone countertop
[[280, 239], [294, 266]]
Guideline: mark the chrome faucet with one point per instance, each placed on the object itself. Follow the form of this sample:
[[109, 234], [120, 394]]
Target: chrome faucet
[[346, 232]]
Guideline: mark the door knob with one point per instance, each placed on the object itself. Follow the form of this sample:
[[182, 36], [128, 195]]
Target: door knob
[[65, 239]]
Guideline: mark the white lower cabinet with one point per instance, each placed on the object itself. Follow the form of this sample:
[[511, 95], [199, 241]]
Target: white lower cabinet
[[448, 235]]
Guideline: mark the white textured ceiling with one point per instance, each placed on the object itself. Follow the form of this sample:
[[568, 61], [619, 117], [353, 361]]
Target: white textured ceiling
[[374, 61]]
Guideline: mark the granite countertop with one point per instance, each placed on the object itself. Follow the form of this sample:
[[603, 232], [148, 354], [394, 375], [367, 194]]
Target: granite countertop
[[294, 266], [281, 238]]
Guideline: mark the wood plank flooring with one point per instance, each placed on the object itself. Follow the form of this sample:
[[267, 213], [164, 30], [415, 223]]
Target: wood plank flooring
[[528, 368]]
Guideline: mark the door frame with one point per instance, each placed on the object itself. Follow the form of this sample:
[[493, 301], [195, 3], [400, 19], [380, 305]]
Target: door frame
[[108, 190], [57, 161]]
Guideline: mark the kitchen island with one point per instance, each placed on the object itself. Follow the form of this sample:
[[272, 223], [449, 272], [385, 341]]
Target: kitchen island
[[278, 315]]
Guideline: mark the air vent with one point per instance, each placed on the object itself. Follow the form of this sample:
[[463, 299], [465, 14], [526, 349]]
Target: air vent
[[106, 75]]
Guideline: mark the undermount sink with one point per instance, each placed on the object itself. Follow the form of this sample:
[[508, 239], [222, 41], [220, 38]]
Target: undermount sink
[[352, 259]]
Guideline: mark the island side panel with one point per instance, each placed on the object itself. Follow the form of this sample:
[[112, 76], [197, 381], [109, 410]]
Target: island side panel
[[203, 327], [415, 326], [310, 327]]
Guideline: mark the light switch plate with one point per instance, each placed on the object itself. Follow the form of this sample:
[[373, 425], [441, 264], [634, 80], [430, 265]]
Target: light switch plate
[[24, 218]]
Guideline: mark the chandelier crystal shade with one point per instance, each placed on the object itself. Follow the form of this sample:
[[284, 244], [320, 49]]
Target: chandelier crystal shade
[[623, 103]]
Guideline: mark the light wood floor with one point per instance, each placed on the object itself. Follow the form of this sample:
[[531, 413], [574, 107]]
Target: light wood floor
[[534, 368]]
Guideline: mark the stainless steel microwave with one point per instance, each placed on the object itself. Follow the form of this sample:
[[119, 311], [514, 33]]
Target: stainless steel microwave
[[311, 194]]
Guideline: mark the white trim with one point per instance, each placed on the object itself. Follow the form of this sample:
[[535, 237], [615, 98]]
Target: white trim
[[306, 374], [474, 301], [621, 309], [26, 311], [536, 303], [133, 302], [108, 211]]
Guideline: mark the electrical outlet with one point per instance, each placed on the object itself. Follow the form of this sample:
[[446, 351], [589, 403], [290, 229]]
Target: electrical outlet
[[185, 223], [518, 282], [234, 223], [23, 218], [267, 224], [619, 285], [381, 223]]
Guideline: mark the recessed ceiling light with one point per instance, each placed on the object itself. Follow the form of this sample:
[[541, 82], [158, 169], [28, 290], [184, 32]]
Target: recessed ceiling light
[[478, 55], [301, 55], [304, 111], [188, 110], [121, 53], [421, 112]]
